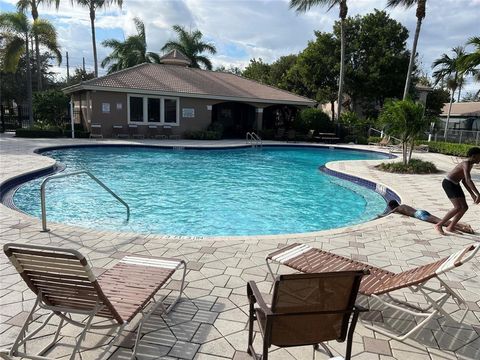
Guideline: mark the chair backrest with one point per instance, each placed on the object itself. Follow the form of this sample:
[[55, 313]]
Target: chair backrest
[[313, 308], [96, 129], [63, 278], [132, 129], [385, 140]]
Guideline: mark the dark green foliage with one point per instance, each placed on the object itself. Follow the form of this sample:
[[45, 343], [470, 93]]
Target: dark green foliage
[[355, 128], [36, 132], [374, 139], [279, 69], [50, 107], [203, 135], [377, 58], [257, 70], [449, 148], [312, 119], [415, 166], [435, 101], [404, 119]]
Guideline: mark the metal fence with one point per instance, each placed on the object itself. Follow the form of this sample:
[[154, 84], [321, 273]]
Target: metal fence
[[12, 118]]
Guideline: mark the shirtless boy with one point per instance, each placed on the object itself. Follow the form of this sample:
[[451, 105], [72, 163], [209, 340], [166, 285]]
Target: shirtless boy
[[451, 185]]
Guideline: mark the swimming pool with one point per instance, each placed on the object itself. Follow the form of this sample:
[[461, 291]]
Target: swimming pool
[[272, 190]]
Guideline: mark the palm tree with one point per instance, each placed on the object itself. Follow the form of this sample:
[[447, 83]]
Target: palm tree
[[303, 6], [471, 62], [421, 10], [132, 51], [23, 5], [191, 45], [92, 6], [449, 69], [16, 33]]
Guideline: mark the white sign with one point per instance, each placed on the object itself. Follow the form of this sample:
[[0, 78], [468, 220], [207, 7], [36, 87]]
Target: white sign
[[188, 113], [119, 106], [105, 107]]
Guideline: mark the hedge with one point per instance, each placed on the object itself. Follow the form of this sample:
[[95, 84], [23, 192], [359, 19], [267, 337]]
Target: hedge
[[38, 133], [448, 148]]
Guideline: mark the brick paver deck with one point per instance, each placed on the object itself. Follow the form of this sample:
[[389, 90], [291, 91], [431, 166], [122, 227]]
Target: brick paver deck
[[211, 320]]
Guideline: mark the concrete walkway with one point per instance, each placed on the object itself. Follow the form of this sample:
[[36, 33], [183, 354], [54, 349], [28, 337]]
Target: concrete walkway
[[211, 321]]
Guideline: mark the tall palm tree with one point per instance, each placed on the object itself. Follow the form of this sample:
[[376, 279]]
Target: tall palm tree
[[191, 45], [92, 6], [132, 51], [420, 13], [23, 5], [471, 61], [16, 33], [449, 69], [305, 5]]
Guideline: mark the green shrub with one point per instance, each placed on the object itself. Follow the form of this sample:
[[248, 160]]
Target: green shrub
[[415, 166], [312, 119], [50, 106], [202, 135], [39, 133], [448, 148], [374, 139]]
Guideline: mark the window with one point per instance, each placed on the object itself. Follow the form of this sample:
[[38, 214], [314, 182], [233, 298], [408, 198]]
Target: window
[[136, 109], [153, 110], [170, 111]]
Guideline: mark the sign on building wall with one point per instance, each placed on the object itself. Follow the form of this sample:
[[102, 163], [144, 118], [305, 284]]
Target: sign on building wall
[[105, 108], [119, 106], [188, 112]]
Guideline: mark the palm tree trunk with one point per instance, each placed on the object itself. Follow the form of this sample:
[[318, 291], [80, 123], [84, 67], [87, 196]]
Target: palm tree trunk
[[448, 115], [412, 59], [332, 108], [92, 23], [29, 81], [37, 63], [342, 68], [459, 92]]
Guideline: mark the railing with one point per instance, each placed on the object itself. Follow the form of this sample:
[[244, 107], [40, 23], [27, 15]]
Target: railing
[[253, 139], [382, 133], [458, 136], [53, 177]]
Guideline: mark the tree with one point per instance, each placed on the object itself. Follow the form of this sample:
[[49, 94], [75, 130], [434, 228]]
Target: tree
[[420, 14], [303, 6], [471, 61], [16, 35], [23, 5], [315, 72], [50, 107], [376, 59], [404, 119], [131, 52], [92, 6], [279, 69], [436, 99], [449, 69], [232, 69], [191, 45], [257, 70]]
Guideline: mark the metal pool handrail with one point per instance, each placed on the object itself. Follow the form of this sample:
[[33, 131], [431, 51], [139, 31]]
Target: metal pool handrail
[[53, 177], [253, 139]]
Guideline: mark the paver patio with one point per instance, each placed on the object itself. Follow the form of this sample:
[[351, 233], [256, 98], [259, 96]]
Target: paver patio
[[211, 320]]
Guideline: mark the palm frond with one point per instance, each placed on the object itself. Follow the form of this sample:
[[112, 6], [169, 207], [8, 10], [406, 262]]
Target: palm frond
[[47, 36], [305, 5], [405, 3], [14, 49], [14, 22], [205, 61]]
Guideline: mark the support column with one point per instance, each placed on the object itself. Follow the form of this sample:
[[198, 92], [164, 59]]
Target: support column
[[259, 118]]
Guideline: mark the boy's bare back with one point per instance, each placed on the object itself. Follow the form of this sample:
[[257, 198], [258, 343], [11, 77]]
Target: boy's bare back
[[459, 172]]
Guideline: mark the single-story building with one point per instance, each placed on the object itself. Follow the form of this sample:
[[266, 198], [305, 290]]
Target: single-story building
[[463, 116], [173, 96]]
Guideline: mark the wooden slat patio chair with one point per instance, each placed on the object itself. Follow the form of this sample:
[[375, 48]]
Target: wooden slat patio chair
[[306, 309], [119, 133], [65, 285], [381, 282], [133, 132]]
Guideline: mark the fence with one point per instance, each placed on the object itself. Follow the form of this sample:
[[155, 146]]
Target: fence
[[453, 136], [14, 118]]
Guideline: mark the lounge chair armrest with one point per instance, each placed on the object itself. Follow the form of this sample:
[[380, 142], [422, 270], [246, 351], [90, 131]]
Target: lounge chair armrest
[[359, 308], [254, 296]]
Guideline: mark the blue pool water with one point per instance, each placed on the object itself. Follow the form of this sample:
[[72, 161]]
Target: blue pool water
[[273, 190]]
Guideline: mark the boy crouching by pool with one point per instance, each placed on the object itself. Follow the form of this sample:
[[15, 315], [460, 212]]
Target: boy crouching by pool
[[451, 185]]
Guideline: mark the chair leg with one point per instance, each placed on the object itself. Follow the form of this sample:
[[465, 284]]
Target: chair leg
[[351, 331]]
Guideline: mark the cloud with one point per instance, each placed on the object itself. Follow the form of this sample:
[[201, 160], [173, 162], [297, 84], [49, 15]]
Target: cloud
[[244, 29]]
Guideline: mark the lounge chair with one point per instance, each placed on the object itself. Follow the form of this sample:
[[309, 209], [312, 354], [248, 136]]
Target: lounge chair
[[96, 131], [384, 141], [133, 132], [382, 282], [306, 309], [167, 132], [280, 134], [118, 132], [65, 285]]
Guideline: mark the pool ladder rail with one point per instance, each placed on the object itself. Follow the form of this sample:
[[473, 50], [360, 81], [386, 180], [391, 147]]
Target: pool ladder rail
[[53, 177], [253, 139]]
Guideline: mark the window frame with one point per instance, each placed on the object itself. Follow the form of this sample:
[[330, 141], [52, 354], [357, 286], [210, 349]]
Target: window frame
[[162, 110]]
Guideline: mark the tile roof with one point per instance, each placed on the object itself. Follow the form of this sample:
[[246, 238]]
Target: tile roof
[[184, 80], [175, 55], [462, 109]]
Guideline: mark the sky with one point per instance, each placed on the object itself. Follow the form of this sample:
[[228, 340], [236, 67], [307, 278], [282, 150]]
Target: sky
[[246, 29]]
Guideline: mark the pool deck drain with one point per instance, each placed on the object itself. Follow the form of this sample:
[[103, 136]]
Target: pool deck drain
[[211, 321]]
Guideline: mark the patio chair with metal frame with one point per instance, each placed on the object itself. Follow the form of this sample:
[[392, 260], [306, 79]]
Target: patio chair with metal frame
[[306, 259], [306, 309], [65, 285], [96, 131]]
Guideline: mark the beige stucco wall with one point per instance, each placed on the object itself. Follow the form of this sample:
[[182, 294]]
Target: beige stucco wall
[[118, 112]]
